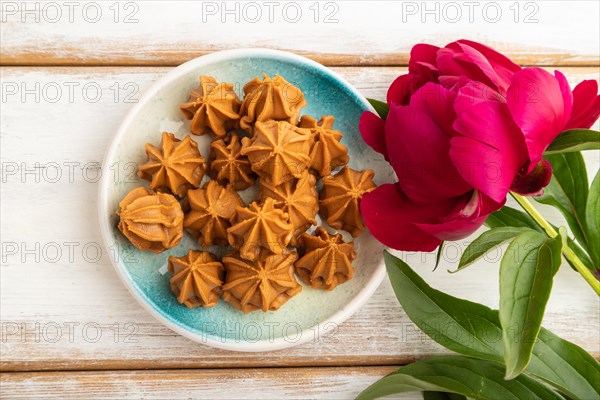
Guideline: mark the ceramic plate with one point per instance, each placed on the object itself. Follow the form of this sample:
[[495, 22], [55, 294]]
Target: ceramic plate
[[305, 317]]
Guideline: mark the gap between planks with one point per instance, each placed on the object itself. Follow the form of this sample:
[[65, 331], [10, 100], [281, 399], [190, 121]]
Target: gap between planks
[[260, 361], [349, 62], [218, 370]]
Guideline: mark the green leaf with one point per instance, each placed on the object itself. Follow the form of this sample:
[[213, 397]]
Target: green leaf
[[574, 140], [486, 242], [507, 216], [526, 273], [466, 376], [583, 256], [474, 330], [442, 396], [568, 192], [438, 256], [381, 108], [592, 221], [457, 324]]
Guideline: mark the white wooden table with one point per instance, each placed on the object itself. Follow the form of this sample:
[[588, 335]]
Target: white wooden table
[[71, 71]]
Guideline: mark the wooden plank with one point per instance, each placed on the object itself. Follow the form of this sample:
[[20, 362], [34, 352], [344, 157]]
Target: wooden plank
[[73, 313], [279, 383], [333, 33]]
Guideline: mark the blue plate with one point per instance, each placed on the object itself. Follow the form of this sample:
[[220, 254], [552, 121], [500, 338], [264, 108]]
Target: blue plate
[[307, 316]]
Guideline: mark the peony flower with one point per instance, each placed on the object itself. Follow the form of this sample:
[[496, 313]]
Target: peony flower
[[463, 59], [465, 126]]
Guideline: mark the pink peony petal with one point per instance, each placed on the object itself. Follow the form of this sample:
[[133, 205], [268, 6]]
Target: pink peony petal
[[567, 96], [486, 206], [497, 67], [586, 105], [476, 204], [469, 214], [391, 218], [536, 103], [449, 81], [438, 103], [453, 63], [453, 230], [401, 89], [418, 148], [472, 93], [471, 55], [372, 129], [490, 151], [423, 59], [533, 183]]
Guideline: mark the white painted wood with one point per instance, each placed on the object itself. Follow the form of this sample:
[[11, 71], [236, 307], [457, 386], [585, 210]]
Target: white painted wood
[[73, 313], [281, 383], [335, 32], [63, 296]]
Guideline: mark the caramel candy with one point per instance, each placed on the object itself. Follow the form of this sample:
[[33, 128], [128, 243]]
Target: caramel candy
[[173, 166], [272, 99], [197, 278], [260, 231], [298, 198], [278, 151], [260, 285], [211, 210], [227, 164], [151, 221], [326, 260], [340, 196], [213, 108], [327, 152]]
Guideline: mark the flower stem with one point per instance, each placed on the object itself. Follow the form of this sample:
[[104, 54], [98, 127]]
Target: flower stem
[[566, 250]]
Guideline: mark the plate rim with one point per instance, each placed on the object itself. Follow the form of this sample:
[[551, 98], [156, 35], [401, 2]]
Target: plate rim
[[262, 345]]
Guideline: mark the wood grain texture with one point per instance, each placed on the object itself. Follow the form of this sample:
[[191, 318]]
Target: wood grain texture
[[331, 32], [280, 383], [73, 313]]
